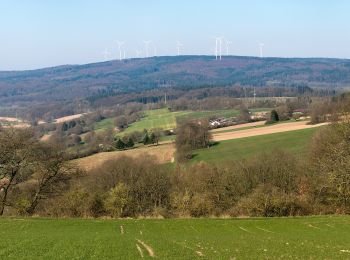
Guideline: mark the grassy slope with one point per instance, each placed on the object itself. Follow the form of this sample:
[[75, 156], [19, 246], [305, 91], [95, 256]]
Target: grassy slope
[[293, 141], [159, 118], [163, 118], [104, 124], [272, 238]]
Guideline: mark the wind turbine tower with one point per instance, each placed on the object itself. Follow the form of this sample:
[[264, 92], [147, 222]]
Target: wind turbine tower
[[218, 47], [261, 46], [254, 95], [147, 43], [138, 53], [120, 44], [105, 54], [228, 43], [178, 46], [155, 50]]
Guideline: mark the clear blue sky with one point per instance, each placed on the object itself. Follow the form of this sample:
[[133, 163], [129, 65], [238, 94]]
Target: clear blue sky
[[40, 33]]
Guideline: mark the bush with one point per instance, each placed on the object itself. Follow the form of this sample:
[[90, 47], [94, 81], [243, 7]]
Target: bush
[[273, 117], [117, 200], [120, 145], [269, 201]]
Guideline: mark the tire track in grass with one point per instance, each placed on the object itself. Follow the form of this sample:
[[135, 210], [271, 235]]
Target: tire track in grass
[[246, 230], [148, 248], [199, 253], [139, 249], [266, 230], [312, 226]]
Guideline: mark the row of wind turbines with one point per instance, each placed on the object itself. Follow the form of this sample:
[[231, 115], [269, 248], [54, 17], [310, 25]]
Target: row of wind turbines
[[149, 46]]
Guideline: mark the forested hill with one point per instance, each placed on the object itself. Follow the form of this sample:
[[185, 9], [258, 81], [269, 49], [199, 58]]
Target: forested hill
[[112, 77]]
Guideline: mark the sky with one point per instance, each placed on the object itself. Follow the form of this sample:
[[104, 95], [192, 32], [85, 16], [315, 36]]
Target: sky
[[42, 33]]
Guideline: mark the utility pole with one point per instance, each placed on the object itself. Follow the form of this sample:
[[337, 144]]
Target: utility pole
[[254, 95]]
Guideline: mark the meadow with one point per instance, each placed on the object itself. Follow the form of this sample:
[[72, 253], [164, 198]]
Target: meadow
[[321, 237], [295, 142], [163, 118]]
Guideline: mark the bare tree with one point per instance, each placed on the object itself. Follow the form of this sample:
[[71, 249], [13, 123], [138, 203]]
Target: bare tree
[[52, 175], [15, 154]]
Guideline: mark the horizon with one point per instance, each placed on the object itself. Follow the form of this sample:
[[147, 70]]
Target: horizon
[[39, 34], [170, 56]]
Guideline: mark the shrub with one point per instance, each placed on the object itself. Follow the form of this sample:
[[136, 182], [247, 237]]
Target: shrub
[[117, 200]]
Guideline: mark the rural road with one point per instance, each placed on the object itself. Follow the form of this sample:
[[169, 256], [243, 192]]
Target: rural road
[[277, 128]]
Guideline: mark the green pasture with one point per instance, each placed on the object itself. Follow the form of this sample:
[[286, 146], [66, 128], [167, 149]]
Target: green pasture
[[321, 237]]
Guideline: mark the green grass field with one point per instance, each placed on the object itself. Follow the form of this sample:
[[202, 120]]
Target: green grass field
[[163, 118], [295, 142], [104, 124], [322, 237], [159, 118]]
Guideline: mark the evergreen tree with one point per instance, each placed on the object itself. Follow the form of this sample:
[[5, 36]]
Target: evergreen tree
[[274, 116], [152, 138], [120, 144], [146, 139], [130, 143]]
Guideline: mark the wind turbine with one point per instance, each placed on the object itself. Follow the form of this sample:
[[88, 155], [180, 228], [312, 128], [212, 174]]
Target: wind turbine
[[178, 46], [228, 43], [261, 46], [154, 50], [105, 54], [218, 47], [138, 53], [120, 44], [147, 43]]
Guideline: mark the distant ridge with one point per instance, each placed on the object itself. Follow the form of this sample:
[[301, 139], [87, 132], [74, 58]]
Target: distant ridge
[[133, 75]]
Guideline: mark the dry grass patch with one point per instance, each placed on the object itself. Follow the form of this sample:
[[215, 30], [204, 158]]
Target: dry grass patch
[[163, 153]]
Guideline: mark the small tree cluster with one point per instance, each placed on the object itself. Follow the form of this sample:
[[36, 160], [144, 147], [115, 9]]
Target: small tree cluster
[[124, 143], [191, 135], [151, 137]]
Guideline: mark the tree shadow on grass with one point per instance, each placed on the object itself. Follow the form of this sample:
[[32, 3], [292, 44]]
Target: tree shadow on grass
[[212, 144]]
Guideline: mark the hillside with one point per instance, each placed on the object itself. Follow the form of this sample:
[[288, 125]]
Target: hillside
[[134, 75]]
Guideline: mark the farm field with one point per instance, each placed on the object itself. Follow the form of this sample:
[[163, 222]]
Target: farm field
[[293, 141], [238, 127], [163, 153], [238, 147], [263, 130], [321, 237], [163, 118]]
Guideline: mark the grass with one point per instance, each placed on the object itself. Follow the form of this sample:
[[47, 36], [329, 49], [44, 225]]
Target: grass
[[159, 118], [104, 124], [163, 118], [321, 237], [295, 142], [208, 114]]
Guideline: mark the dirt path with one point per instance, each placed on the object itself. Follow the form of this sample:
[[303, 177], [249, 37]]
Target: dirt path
[[278, 128], [239, 126]]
